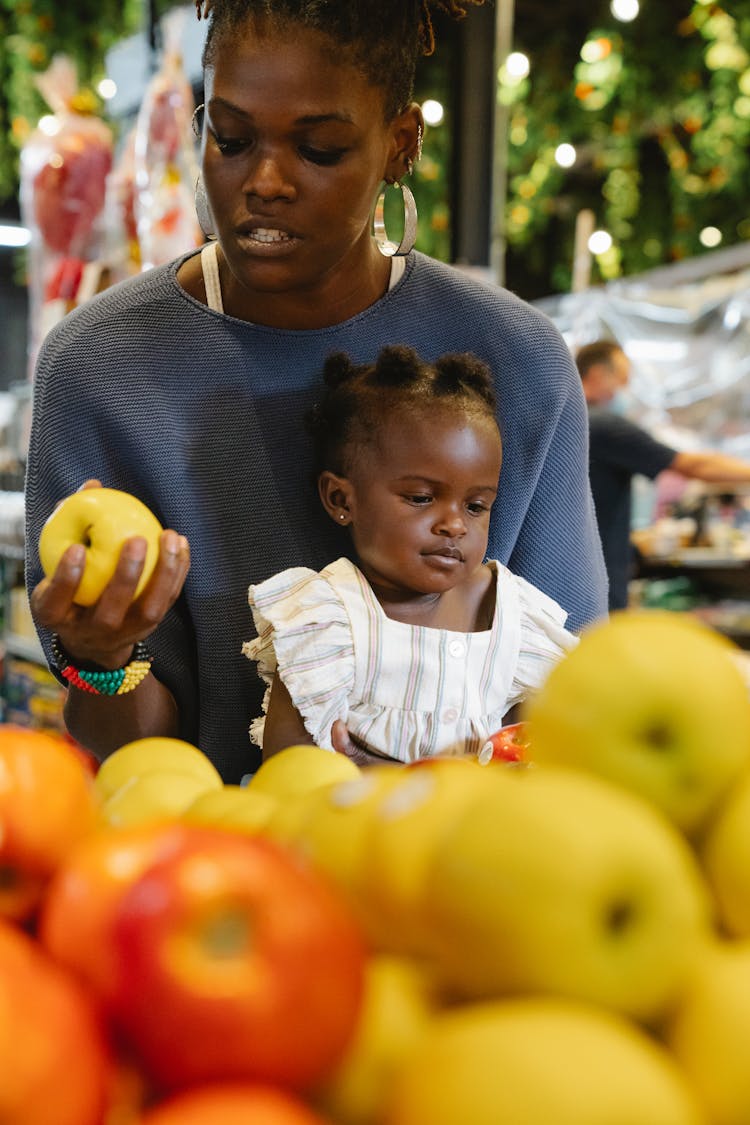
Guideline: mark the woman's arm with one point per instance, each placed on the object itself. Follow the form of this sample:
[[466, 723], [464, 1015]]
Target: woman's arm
[[102, 636]]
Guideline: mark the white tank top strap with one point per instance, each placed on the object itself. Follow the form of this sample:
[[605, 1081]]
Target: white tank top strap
[[210, 267], [212, 283], [398, 265]]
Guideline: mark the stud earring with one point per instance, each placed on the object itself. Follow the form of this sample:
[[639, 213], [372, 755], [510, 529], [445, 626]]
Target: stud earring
[[386, 247], [342, 515]]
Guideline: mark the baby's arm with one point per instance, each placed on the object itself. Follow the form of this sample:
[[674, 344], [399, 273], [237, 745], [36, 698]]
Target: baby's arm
[[283, 726]]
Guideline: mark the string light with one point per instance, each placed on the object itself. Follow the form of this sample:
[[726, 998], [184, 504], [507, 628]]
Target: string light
[[565, 155], [517, 65], [625, 10], [600, 242], [107, 89], [710, 237], [432, 111], [49, 125]]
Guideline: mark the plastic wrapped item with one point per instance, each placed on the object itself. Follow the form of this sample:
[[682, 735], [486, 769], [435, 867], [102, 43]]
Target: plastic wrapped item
[[165, 158], [122, 248], [64, 169]]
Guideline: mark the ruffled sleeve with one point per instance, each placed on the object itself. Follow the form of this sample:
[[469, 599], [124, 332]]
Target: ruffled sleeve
[[304, 632], [544, 639]]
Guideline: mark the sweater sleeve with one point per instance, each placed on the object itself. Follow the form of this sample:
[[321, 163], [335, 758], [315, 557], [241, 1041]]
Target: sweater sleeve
[[558, 548]]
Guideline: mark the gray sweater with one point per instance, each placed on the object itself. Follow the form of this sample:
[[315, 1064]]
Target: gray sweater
[[201, 416]]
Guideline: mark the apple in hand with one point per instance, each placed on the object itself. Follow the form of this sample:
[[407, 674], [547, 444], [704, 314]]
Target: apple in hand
[[101, 519]]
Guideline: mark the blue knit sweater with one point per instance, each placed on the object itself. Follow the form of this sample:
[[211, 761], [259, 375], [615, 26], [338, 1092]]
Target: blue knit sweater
[[201, 416]]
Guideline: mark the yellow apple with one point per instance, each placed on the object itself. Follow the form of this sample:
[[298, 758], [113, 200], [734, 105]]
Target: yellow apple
[[654, 701], [725, 854], [151, 797], [405, 827], [144, 755], [397, 1009], [555, 881], [710, 1032], [101, 519], [538, 1062], [330, 828], [235, 807], [298, 769]]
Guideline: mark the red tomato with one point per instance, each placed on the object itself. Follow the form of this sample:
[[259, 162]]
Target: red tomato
[[236, 964], [510, 744]]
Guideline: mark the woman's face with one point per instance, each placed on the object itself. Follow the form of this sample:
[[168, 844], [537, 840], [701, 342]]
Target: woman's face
[[294, 148]]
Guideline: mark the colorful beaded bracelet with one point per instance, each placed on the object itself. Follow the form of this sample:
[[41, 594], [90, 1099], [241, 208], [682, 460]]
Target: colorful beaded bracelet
[[118, 681]]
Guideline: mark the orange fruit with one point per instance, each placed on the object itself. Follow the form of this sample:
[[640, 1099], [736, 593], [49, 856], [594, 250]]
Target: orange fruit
[[47, 804], [55, 1058], [233, 1104], [76, 915]]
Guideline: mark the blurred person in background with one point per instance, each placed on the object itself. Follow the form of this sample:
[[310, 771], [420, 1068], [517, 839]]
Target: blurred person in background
[[619, 449]]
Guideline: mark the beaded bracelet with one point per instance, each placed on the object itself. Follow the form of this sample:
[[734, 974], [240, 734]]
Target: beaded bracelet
[[118, 681]]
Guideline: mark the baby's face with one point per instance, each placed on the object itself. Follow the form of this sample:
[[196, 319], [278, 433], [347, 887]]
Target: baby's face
[[422, 494]]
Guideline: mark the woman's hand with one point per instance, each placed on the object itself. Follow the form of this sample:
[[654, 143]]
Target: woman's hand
[[104, 633]]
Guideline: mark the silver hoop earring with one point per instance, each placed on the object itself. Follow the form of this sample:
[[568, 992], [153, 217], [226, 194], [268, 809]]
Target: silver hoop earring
[[202, 209], [386, 247], [195, 124]]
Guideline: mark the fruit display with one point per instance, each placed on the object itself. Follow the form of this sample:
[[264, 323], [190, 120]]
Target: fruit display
[[556, 935]]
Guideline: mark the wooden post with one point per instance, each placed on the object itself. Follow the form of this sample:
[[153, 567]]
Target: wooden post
[[503, 45], [581, 254]]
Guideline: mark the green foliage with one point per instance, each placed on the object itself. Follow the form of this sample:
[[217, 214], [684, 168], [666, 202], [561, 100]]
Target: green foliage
[[658, 111]]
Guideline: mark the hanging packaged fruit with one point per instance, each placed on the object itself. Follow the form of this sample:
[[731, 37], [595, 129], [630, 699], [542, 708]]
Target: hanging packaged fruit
[[165, 159], [64, 169]]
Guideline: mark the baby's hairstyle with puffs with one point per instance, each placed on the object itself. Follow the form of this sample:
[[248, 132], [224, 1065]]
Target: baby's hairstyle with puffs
[[384, 38], [358, 397]]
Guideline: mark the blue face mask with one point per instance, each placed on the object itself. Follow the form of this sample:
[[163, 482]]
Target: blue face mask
[[619, 403]]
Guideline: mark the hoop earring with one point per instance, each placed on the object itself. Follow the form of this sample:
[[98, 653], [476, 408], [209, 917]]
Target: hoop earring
[[202, 209], [386, 247], [195, 125]]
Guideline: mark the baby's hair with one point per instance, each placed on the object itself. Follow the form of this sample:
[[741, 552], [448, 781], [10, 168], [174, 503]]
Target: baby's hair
[[358, 397], [384, 37]]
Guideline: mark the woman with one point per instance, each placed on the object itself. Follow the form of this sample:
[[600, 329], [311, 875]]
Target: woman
[[188, 385]]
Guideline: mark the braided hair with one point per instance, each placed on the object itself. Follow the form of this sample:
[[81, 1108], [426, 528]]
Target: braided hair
[[384, 38], [358, 397]]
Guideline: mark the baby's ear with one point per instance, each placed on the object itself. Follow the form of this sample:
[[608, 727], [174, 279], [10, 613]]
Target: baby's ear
[[336, 496]]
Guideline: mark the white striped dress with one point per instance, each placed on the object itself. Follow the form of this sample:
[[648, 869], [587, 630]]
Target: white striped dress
[[406, 691]]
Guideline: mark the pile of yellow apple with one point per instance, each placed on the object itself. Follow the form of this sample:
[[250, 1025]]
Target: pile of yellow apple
[[564, 941]]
